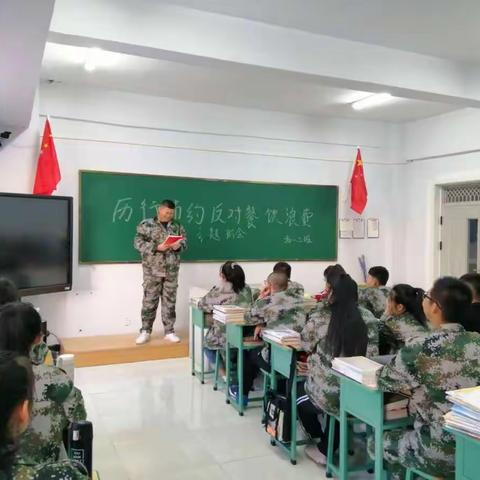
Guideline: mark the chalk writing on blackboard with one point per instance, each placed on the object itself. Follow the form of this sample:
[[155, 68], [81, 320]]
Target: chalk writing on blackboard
[[222, 221]]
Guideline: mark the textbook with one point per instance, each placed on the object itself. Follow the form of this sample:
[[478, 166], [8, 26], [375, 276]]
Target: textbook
[[465, 413], [171, 239], [360, 369], [467, 397], [284, 336], [228, 314]]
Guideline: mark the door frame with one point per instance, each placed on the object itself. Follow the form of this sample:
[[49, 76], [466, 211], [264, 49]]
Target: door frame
[[434, 211]]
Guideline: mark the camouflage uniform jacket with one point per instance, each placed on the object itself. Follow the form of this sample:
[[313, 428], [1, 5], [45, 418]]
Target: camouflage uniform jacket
[[277, 310], [56, 403], [396, 331], [446, 359], [150, 234], [322, 384], [373, 299], [65, 470], [222, 295], [295, 289]]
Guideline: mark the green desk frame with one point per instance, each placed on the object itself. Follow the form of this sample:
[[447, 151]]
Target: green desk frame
[[281, 360], [198, 320], [467, 456], [234, 339], [367, 405]]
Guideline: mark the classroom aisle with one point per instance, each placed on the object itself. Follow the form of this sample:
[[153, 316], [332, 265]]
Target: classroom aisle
[[154, 420]]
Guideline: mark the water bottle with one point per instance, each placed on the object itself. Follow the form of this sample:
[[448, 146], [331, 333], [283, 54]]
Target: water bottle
[[80, 443]]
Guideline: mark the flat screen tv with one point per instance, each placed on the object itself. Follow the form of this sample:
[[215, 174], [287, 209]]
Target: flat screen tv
[[36, 242]]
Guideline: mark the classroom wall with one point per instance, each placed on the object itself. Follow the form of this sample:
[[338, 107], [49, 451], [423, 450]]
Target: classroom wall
[[107, 130], [440, 150]]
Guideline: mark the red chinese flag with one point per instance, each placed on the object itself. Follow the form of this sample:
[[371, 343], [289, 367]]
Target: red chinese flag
[[358, 186], [48, 172]]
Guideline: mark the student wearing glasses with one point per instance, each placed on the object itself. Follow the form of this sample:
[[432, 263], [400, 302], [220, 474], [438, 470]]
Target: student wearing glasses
[[448, 358]]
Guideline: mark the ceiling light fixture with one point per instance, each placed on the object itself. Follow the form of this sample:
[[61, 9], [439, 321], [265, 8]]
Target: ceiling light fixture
[[92, 58], [372, 101]]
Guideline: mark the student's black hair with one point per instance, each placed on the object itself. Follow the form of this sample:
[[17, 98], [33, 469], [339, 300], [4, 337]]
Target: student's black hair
[[454, 298], [283, 267], [473, 281], [380, 273], [8, 291], [234, 274], [347, 333], [167, 203], [332, 272], [16, 386], [411, 298], [20, 325]]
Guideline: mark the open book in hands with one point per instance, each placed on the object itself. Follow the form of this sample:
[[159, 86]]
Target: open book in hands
[[171, 239]]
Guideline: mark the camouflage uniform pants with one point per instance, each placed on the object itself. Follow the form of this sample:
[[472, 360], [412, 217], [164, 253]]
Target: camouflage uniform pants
[[154, 289], [401, 449]]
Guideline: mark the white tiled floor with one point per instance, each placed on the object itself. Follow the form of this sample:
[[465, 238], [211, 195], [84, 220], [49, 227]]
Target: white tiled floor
[[153, 420]]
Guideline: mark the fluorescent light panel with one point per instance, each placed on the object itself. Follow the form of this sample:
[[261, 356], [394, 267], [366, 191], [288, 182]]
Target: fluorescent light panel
[[372, 101]]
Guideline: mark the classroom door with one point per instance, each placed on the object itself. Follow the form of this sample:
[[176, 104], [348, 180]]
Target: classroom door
[[460, 235]]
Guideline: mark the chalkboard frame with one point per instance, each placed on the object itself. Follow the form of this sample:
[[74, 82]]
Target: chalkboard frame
[[112, 262]]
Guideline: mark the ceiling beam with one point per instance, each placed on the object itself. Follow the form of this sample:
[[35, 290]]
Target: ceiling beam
[[196, 37]]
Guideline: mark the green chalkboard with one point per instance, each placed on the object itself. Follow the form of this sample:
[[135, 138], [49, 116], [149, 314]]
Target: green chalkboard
[[223, 219]]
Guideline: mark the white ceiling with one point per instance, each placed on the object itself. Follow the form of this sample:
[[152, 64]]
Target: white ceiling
[[442, 28], [23, 32], [166, 52], [248, 88]]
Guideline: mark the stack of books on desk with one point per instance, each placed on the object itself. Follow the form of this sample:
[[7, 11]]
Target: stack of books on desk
[[395, 406], [284, 336], [465, 413], [361, 369], [228, 314]]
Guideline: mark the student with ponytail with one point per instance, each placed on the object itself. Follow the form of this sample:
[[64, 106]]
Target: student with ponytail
[[230, 290], [403, 321]]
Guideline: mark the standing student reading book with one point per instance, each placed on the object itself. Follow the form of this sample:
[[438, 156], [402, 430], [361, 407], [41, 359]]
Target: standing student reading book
[[161, 264]]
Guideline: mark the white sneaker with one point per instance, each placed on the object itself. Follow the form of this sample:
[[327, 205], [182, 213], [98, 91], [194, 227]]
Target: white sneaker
[[171, 337], [313, 453], [143, 338]]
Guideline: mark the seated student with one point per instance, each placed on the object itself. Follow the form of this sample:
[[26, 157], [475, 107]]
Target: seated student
[[472, 320], [231, 290], [294, 289], [331, 269], [56, 402], [338, 327], [272, 310], [447, 359], [403, 320], [374, 297], [16, 389], [8, 292]]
